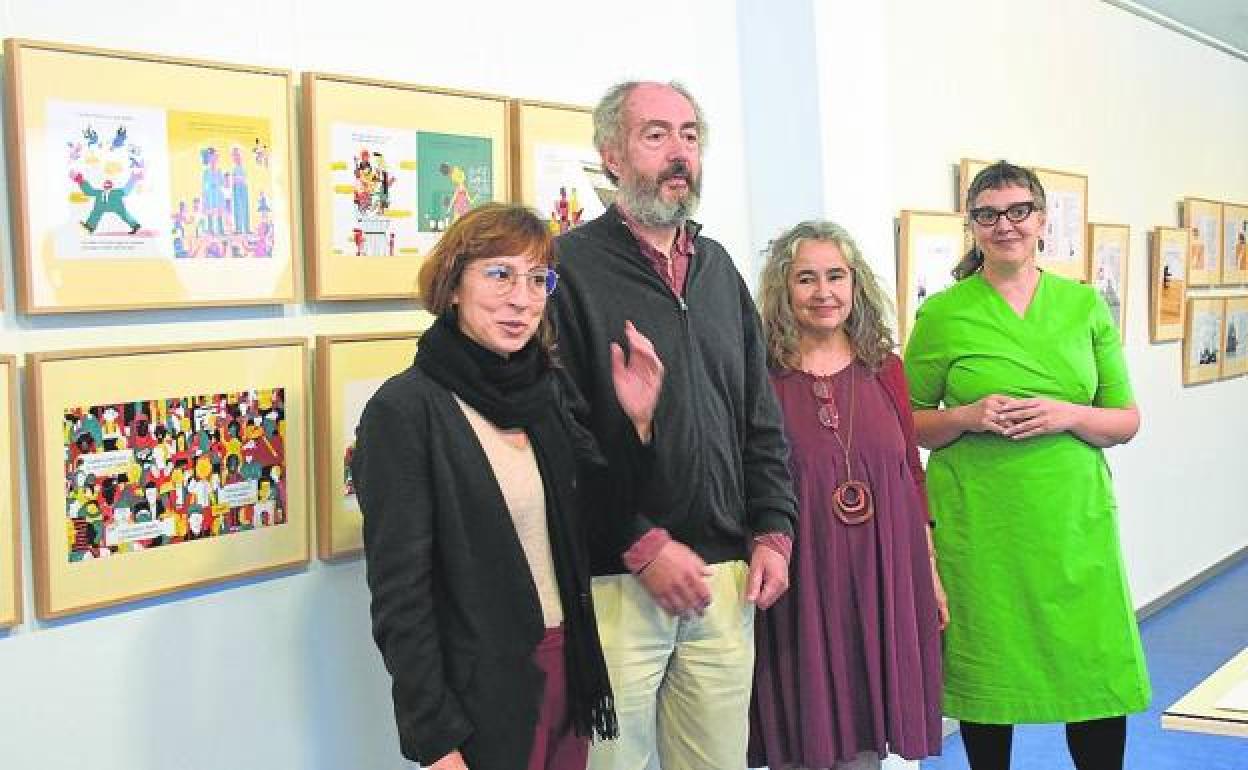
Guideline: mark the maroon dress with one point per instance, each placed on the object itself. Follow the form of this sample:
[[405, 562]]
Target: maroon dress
[[849, 657]]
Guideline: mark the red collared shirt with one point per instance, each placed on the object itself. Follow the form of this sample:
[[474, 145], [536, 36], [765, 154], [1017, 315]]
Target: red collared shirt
[[672, 269]]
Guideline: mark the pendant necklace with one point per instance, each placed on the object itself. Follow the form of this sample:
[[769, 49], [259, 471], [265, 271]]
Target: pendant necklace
[[851, 500]]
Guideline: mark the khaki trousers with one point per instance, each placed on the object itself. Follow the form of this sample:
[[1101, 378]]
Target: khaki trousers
[[682, 685]]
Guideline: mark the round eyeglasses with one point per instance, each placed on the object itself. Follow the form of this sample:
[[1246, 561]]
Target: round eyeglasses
[[987, 216], [539, 282]]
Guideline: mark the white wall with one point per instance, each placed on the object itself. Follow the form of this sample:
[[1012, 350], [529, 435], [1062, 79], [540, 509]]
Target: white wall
[[280, 672], [908, 88]]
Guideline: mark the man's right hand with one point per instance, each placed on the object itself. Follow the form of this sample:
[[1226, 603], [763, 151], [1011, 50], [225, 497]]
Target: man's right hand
[[678, 580]]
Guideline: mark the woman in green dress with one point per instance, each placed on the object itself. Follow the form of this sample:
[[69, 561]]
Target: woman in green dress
[[1018, 382]]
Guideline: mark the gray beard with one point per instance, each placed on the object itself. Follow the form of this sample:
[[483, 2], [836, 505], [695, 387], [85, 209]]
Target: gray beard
[[641, 199]]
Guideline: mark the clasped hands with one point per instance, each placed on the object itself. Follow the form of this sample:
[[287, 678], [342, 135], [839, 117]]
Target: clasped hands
[[1020, 418]]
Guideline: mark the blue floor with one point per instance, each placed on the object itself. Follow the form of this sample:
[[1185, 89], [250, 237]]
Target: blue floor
[[1184, 643]]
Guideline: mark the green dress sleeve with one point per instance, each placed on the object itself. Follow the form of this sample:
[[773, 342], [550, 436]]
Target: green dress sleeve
[[926, 361], [1113, 386]]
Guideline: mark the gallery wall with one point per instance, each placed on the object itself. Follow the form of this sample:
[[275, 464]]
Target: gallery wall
[[280, 671], [1148, 115]]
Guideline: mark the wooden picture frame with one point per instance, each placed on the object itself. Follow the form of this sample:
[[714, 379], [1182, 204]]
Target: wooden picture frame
[[349, 369], [1235, 338], [1109, 259], [387, 166], [10, 513], [555, 167], [1202, 340], [1167, 284], [1063, 247], [929, 246], [184, 465], [967, 169], [106, 148], [1203, 220], [1234, 244]]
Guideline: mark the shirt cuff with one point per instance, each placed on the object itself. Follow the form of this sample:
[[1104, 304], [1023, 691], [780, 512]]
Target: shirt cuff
[[781, 544], [645, 550]]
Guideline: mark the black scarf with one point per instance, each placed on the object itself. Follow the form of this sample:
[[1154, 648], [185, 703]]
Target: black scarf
[[521, 391]]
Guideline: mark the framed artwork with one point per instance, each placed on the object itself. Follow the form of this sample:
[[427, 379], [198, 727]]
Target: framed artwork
[[388, 166], [349, 369], [930, 243], [967, 169], [10, 518], [144, 182], [1063, 247], [1203, 221], [158, 469], [1109, 253], [1202, 340], [555, 167], [1235, 338], [1167, 284], [1234, 243]]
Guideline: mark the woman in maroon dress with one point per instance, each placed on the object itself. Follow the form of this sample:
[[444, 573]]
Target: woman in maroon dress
[[849, 659]]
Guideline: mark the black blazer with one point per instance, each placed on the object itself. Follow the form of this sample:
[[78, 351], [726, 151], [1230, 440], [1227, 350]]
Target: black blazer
[[455, 610]]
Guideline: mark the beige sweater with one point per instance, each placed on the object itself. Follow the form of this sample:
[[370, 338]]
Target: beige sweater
[[515, 468]]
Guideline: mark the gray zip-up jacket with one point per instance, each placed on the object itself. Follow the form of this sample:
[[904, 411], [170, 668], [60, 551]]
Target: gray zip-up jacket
[[720, 475]]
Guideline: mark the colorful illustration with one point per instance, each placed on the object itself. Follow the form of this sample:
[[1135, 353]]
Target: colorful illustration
[[355, 394], [374, 185], [144, 474], [113, 179], [569, 184], [455, 174], [221, 183]]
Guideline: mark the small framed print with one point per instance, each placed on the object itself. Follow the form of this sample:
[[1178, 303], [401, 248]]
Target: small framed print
[[1234, 244], [1167, 284], [1235, 338], [388, 167], [10, 520], [349, 369], [140, 181], [1063, 246], [555, 167], [153, 470], [1108, 257], [1203, 221], [1202, 342], [929, 246]]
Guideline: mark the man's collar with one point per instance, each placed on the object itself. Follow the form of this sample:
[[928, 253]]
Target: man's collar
[[686, 233]]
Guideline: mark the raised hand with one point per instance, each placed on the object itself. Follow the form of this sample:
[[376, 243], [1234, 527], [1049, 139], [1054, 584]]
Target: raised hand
[[638, 379]]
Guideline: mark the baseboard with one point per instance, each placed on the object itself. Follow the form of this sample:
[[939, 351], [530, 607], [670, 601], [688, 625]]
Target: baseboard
[[1191, 584]]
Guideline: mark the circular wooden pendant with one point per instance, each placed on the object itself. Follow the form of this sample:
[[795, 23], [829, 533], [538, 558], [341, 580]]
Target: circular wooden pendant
[[852, 502]]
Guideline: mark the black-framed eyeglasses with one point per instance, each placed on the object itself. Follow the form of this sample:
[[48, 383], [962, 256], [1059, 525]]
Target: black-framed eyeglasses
[[539, 282], [987, 216]]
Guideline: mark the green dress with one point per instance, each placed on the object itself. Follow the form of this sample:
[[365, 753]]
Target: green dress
[[1042, 626]]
